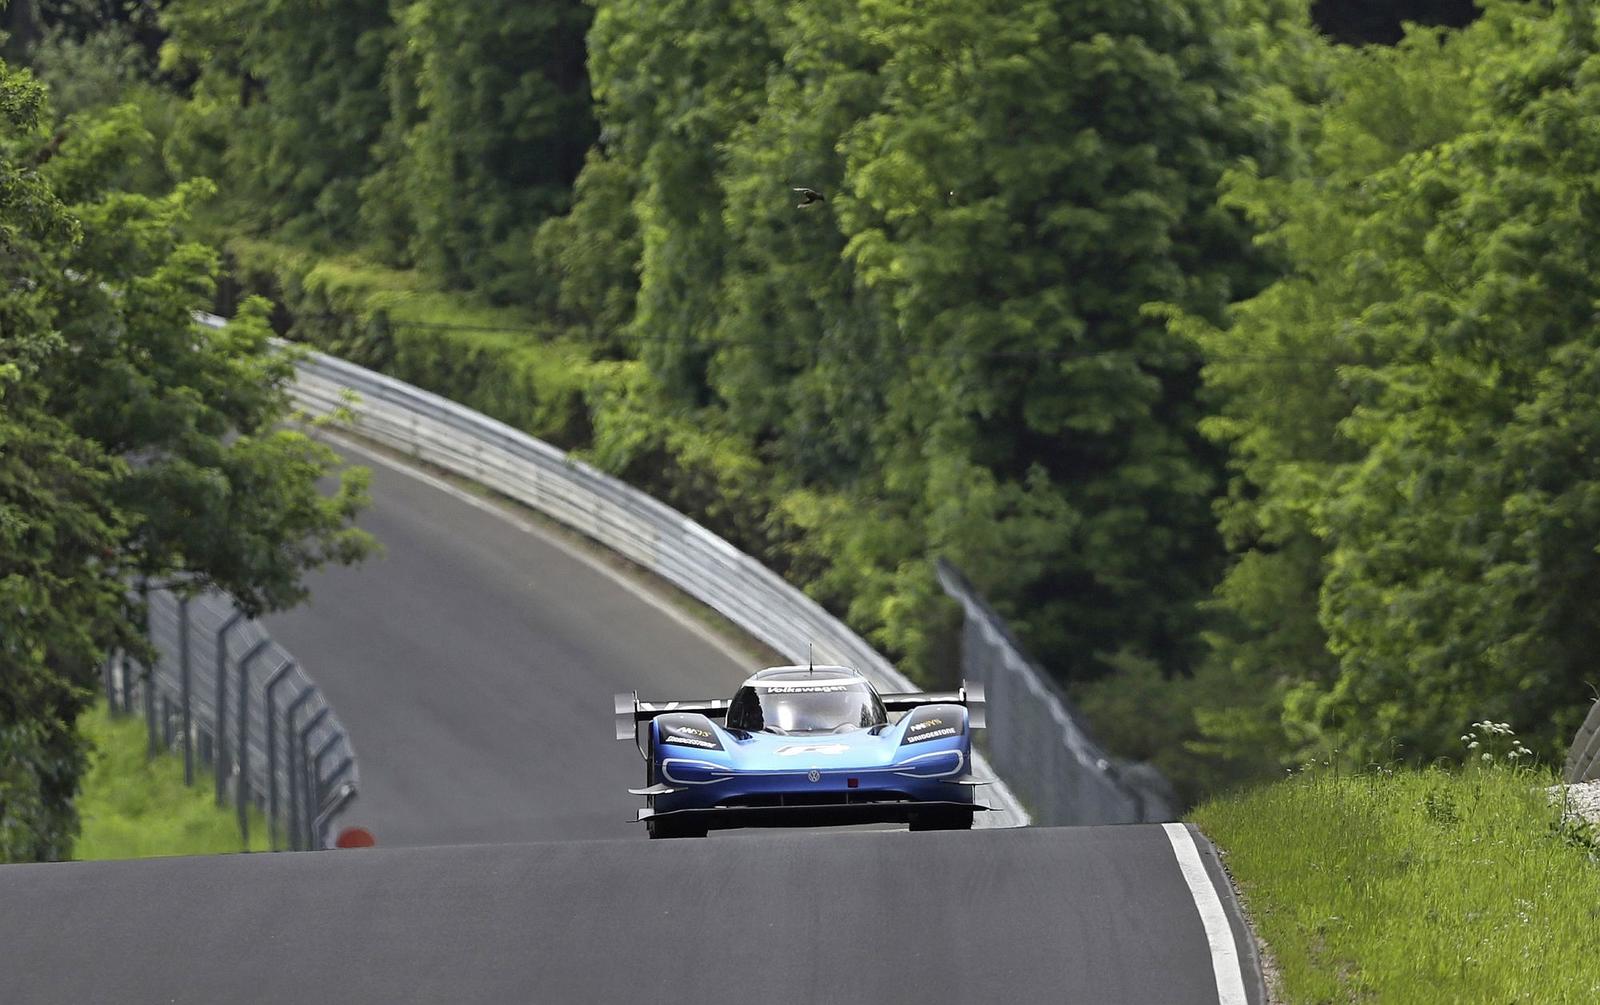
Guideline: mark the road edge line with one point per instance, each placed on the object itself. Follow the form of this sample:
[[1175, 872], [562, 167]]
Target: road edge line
[[1225, 963]]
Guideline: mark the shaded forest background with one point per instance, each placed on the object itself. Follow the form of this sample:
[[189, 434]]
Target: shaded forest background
[[1242, 352]]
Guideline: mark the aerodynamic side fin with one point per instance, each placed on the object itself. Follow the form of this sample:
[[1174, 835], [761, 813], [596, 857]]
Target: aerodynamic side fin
[[970, 695], [630, 711]]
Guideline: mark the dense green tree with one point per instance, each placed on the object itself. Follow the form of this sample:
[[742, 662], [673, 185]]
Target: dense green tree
[[584, 262], [672, 80], [1464, 560], [498, 133], [130, 443], [1409, 408], [219, 492], [1033, 177], [58, 534], [953, 341], [286, 103]]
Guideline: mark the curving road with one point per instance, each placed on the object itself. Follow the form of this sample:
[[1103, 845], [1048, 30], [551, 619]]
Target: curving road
[[472, 665], [474, 662]]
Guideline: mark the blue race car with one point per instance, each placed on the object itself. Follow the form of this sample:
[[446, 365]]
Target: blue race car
[[805, 746]]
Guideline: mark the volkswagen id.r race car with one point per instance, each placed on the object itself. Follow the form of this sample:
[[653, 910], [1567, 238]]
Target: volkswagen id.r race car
[[805, 746]]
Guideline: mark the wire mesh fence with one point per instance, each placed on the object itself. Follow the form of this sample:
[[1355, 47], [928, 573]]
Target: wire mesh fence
[[1036, 738], [1583, 757], [243, 713]]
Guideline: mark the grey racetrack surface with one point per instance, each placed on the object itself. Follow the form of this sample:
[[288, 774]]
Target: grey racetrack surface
[[1094, 915], [474, 664]]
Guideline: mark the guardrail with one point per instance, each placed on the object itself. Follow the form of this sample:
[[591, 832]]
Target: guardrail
[[238, 705], [1583, 757], [629, 522], [1035, 737]]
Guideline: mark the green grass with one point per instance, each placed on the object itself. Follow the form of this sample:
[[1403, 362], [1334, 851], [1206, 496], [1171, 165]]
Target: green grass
[[136, 808], [1416, 886]]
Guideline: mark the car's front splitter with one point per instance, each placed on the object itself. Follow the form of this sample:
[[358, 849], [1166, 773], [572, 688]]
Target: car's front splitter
[[814, 815]]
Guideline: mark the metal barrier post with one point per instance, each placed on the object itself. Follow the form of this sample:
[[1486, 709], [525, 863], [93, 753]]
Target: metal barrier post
[[241, 788], [149, 670], [220, 758], [127, 686], [148, 686], [308, 780], [314, 806], [184, 690], [347, 792], [293, 772], [272, 750]]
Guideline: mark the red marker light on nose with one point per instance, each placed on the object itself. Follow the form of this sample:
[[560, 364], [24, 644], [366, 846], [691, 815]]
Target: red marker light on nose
[[853, 783]]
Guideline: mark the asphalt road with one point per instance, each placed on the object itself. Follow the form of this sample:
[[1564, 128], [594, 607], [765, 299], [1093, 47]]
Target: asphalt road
[[473, 665], [1096, 915]]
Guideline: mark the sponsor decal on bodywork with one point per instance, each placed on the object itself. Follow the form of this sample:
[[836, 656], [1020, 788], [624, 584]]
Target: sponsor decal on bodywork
[[803, 688], [691, 741], [688, 731], [932, 722], [791, 749]]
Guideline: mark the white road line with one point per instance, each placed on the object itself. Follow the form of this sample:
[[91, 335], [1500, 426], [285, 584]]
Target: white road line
[[639, 590], [1224, 954]]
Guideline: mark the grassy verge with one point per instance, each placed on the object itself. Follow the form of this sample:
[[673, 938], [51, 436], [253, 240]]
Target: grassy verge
[[135, 808], [1430, 886]]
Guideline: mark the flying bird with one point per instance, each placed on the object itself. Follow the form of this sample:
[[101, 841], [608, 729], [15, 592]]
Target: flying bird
[[807, 197]]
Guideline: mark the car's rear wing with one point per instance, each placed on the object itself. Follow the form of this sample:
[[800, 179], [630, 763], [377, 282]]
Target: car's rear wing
[[969, 694], [630, 711]]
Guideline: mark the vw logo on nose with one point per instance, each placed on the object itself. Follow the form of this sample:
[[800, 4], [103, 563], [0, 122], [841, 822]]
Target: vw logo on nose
[[814, 775]]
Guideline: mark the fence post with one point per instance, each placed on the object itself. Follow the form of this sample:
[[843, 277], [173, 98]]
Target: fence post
[[347, 792], [271, 716], [293, 768], [308, 780], [149, 670], [241, 788], [148, 686], [184, 690], [107, 670], [219, 756], [314, 805]]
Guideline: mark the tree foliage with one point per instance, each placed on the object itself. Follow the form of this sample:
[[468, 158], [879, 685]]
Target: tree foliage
[[131, 444], [1248, 373], [953, 340], [1415, 488]]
